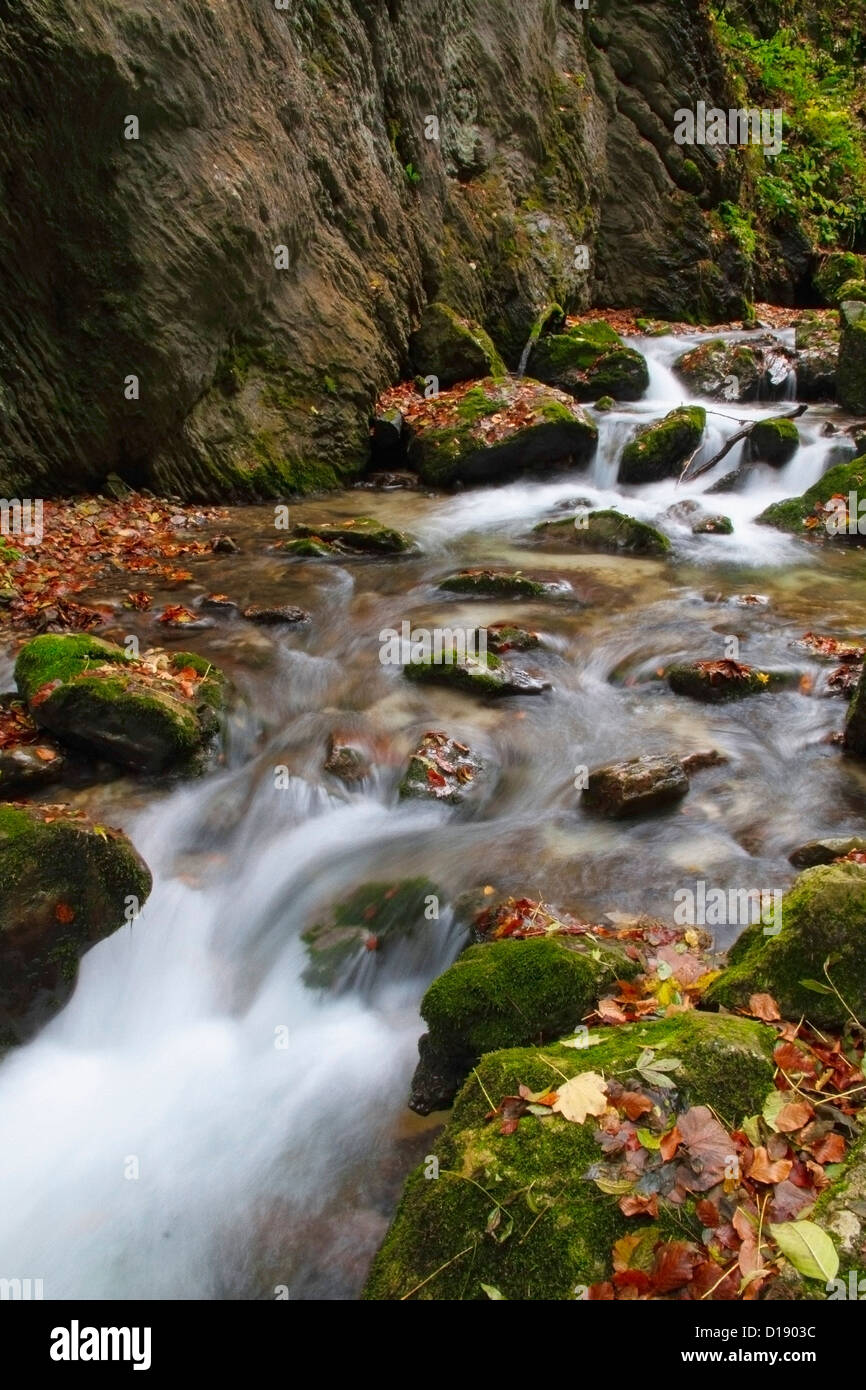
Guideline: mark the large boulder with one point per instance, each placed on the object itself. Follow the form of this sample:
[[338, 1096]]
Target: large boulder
[[64, 885], [148, 714], [744, 371], [520, 1205], [590, 360], [774, 441], [817, 338], [495, 430], [823, 922], [659, 451], [452, 348], [606, 532], [851, 373], [821, 512], [835, 271]]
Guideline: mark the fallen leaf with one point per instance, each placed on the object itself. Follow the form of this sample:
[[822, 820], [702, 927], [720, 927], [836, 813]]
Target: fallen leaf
[[583, 1095]]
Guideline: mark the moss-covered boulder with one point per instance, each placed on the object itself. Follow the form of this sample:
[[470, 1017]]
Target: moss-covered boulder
[[851, 372], [506, 994], [360, 535], [774, 441], [835, 271], [519, 1211], [500, 584], [605, 532], [637, 786], [590, 360], [852, 290], [823, 920], [714, 682], [812, 515], [505, 637], [368, 923], [716, 525], [148, 714], [855, 724], [841, 1212], [659, 451], [452, 348], [64, 885], [816, 340], [476, 673], [721, 370], [498, 429]]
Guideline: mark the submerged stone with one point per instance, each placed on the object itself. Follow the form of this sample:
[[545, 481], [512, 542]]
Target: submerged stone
[[478, 674], [369, 921], [636, 786], [715, 681], [501, 584]]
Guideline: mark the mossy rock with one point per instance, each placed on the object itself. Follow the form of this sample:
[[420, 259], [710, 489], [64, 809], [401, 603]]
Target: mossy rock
[[590, 360], [564, 1226], [368, 922], [841, 1212], [774, 441], [851, 372], [606, 532], [360, 535], [837, 270], [852, 290], [714, 682], [498, 584], [64, 885], [605, 403], [507, 994], [442, 769], [717, 525], [823, 916], [452, 348], [476, 674], [817, 339], [538, 430], [721, 370], [659, 451], [94, 697], [792, 513]]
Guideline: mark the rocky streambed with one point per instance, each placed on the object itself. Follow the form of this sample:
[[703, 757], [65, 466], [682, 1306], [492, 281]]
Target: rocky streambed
[[344, 829]]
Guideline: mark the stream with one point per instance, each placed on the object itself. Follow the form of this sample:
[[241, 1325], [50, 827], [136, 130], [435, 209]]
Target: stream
[[200, 1124]]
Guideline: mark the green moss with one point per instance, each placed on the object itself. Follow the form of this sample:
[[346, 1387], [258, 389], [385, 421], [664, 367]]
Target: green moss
[[452, 348], [606, 531], [775, 441], [380, 912], [837, 270], [823, 915], [852, 289], [790, 514], [699, 684], [62, 658], [659, 451], [562, 1227], [590, 360], [488, 583], [477, 675]]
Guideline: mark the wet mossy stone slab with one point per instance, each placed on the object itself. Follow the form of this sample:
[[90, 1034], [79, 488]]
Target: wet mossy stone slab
[[559, 1227], [800, 516], [505, 994], [823, 917], [659, 451], [369, 922], [360, 535], [637, 786], [607, 532], [714, 682], [590, 360], [479, 674], [145, 714], [452, 348], [64, 885], [497, 430], [501, 584]]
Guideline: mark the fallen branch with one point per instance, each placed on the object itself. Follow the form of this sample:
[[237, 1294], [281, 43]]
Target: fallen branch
[[734, 439]]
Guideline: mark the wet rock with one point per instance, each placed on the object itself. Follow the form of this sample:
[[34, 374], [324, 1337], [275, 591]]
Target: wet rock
[[826, 850], [716, 681], [855, 724], [369, 922], [219, 604], [504, 637], [851, 373], [727, 1063], [814, 515], [501, 584], [387, 439], [504, 994], [115, 487], [441, 769], [817, 340], [717, 525], [452, 348], [478, 674], [392, 481], [823, 918], [347, 761], [362, 535], [659, 451], [835, 271], [27, 768], [278, 616], [496, 430], [774, 441], [147, 714], [605, 403], [589, 360], [636, 786], [224, 545], [727, 371], [64, 885], [697, 762], [606, 532]]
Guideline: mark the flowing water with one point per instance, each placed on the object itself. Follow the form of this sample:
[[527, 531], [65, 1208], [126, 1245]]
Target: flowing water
[[198, 1123]]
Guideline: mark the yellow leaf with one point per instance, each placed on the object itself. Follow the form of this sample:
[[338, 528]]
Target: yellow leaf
[[583, 1095]]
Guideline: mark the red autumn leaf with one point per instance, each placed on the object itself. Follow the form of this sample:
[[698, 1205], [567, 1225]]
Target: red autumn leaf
[[633, 1278], [64, 913], [634, 1104], [675, 1265], [635, 1205], [43, 693], [601, 1293], [763, 1170], [435, 778], [707, 1150], [610, 1011], [830, 1149], [711, 1283], [793, 1116], [47, 755], [670, 1143], [793, 1061], [708, 1214], [764, 1006]]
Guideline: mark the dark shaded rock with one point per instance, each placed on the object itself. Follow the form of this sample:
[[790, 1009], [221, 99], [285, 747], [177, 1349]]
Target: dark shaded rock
[[224, 545], [387, 440], [826, 850], [362, 535], [855, 724], [347, 761], [27, 768], [728, 371], [817, 341], [452, 348], [219, 604], [636, 786], [716, 681], [274, 617], [501, 584], [63, 886], [836, 270]]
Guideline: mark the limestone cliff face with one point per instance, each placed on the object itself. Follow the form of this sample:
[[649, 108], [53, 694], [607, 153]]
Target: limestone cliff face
[[306, 128]]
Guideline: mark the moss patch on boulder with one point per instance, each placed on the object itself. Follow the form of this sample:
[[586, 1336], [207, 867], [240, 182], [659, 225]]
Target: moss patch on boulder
[[452, 348], [360, 535], [659, 451], [774, 441], [369, 921], [606, 531], [714, 682], [793, 513], [835, 271], [589, 360], [499, 584]]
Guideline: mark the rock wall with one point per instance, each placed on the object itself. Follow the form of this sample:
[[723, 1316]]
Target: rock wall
[[305, 128]]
